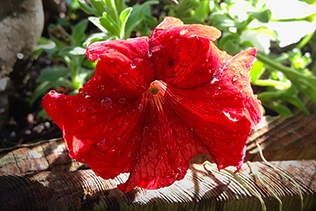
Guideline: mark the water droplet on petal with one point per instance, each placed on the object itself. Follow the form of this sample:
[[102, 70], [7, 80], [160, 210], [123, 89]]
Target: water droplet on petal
[[69, 103], [122, 100], [103, 146], [241, 73], [81, 122], [214, 80], [157, 48], [125, 126], [53, 105], [87, 96], [106, 102], [98, 77], [184, 31], [140, 106], [234, 79], [228, 115]]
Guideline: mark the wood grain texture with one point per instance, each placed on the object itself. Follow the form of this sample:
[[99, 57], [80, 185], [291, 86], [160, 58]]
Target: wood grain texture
[[41, 176], [201, 189]]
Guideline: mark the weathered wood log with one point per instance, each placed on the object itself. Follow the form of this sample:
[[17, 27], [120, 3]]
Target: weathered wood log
[[284, 138], [41, 176], [201, 189]]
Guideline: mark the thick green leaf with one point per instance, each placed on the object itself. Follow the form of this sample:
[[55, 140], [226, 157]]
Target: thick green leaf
[[96, 22], [123, 19], [72, 51], [45, 86], [279, 108], [99, 5], [263, 16], [97, 37], [202, 11], [137, 16], [119, 5], [256, 70], [87, 9], [309, 1], [52, 73], [78, 32], [109, 24], [230, 44]]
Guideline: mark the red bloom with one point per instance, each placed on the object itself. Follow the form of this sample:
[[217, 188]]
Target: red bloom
[[156, 102]]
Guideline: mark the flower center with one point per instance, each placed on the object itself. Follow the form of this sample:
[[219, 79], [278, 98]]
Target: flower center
[[157, 88], [154, 90]]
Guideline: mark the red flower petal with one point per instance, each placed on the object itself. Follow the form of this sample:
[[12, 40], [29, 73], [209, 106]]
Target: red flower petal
[[191, 54], [150, 120], [221, 113], [167, 147], [128, 66], [97, 133]]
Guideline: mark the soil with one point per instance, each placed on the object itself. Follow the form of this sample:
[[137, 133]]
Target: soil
[[25, 124]]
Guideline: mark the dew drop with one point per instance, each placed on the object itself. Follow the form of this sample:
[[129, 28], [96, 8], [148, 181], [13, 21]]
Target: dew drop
[[101, 87], [87, 96], [103, 146], [125, 126], [106, 102], [118, 138], [122, 100], [53, 105], [184, 31], [98, 77], [140, 106], [228, 115], [81, 122], [242, 73], [52, 92], [69, 103], [234, 79], [157, 48], [214, 80]]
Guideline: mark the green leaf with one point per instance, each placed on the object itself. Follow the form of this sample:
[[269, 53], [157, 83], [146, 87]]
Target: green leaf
[[97, 37], [72, 51], [119, 5], [123, 19], [279, 108], [256, 70], [99, 5], [85, 74], [230, 43], [78, 32], [96, 22], [45, 86], [137, 16], [110, 25], [87, 9], [202, 11], [309, 1], [52, 73], [42, 113], [263, 16]]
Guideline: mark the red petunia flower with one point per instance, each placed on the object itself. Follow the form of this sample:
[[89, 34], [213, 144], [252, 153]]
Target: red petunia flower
[[156, 102]]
